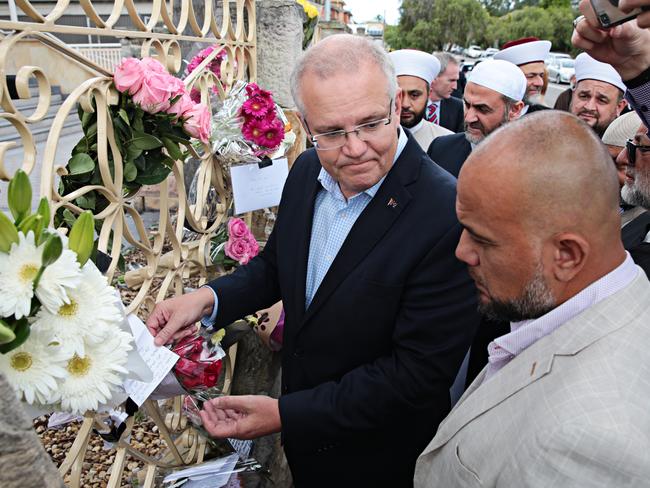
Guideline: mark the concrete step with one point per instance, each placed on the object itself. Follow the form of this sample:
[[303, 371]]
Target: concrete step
[[40, 129]]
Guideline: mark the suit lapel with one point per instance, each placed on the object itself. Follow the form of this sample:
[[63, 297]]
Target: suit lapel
[[304, 219], [372, 224], [536, 362]]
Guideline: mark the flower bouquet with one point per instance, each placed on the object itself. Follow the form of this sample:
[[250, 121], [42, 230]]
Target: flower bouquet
[[200, 362], [249, 126], [214, 66], [153, 122], [233, 244], [62, 341]]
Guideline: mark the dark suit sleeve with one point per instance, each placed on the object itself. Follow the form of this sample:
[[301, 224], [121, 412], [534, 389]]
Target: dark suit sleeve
[[433, 330], [460, 119], [432, 150]]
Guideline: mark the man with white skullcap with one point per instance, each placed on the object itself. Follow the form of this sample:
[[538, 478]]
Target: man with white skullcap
[[493, 96], [415, 70], [529, 54], [598, 95]]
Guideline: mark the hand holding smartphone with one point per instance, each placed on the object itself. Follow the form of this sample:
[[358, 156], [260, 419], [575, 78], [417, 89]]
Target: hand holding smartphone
[[609, 15]]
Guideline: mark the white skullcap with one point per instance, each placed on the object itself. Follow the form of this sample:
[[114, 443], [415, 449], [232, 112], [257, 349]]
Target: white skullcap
[[410, 62], [622, 129], [587, 68], [501, 76], [526, 52]]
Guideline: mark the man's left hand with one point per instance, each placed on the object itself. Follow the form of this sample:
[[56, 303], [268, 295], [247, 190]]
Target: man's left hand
[[241, 417]]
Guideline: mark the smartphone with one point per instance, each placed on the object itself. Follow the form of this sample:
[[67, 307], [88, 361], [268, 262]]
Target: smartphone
[[609, 15]]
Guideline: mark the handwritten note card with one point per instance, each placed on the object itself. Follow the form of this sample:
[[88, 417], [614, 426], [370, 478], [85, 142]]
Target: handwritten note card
[[159, 359], [255, 188]]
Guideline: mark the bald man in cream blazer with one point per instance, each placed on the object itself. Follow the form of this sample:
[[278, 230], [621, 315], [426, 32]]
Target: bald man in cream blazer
[[565, 399]]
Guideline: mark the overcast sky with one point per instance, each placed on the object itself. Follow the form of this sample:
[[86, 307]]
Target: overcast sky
[[363, 10]]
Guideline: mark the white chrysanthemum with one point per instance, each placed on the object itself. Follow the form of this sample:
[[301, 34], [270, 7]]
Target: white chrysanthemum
[[33, 368], [57, 280], [92, 313], [18, 269], [94, 375]]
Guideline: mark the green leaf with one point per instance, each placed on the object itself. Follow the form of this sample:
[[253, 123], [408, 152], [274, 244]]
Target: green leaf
[[123, 115], [82, 237], [69, 218], [33, 223], [173, 149], [156, 175], [21, 331], [86, 201], [6, 333], [91, 131], [80, 163], [145, 141], [133, 152], [8, 233], [130, 171], [52, 249], [44, 210], [19, 195], [87, 118]]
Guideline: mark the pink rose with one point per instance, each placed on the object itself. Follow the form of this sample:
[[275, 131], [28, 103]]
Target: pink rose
[[128, 75], [180, 106], [151, 64], [253, 246], [155, 92], [198, 124], [237, 228], [239, 250]]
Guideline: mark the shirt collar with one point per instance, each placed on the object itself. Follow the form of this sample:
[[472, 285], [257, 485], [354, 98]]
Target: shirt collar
[[331, 185], [526, 332], [417, 127]]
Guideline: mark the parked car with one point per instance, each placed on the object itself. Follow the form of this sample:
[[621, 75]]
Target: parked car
[[553, 56], [488, 53], [561, 70], [473, 51]]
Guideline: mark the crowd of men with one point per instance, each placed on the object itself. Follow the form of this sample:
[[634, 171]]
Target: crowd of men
[[405, 236]]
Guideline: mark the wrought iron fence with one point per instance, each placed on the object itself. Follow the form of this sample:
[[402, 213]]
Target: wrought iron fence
[[32, 50]]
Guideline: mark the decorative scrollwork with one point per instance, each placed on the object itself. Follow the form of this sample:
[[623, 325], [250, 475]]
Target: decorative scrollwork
[[170, 257]]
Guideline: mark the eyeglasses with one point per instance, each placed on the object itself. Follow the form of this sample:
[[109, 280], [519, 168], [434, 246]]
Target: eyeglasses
[[631, 151], [338, 138]]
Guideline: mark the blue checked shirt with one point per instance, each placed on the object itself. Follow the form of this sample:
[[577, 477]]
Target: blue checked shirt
[[333, 219]]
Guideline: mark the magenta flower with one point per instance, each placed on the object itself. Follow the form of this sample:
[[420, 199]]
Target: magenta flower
[[253, 90], [214, 65], [268, 133], [257, 107]]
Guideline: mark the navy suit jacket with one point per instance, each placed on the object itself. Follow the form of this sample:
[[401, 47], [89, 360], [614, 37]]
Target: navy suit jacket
[[366, 368], [452, 114], [450, 152]]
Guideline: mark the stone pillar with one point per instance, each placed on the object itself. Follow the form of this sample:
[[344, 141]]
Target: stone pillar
[[279, 43], [23, 461]]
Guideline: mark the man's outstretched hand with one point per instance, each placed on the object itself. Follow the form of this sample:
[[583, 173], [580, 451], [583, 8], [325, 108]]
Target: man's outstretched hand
[[241, 417], [626, 47], [174, 318]]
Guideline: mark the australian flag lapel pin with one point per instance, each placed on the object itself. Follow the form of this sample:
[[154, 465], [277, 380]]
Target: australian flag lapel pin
[[392, 203]]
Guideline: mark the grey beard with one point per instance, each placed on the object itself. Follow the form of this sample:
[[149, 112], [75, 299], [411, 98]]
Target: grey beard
[[536, 299], [473, 139], [638, 194]]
